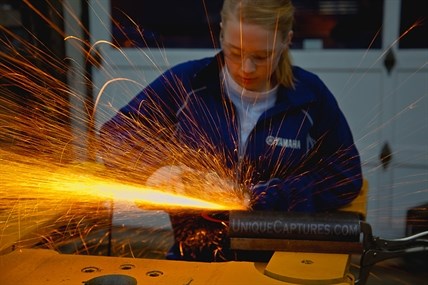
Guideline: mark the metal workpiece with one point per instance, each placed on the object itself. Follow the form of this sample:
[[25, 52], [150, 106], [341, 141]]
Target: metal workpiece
[[335, 226], [337, 232]]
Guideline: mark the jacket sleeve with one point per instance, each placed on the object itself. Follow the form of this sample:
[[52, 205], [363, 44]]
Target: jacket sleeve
[[328, 177], [331, 173], [131, 140], [325, 183]]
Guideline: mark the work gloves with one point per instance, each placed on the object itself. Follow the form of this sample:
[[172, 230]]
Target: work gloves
[[265, 195]]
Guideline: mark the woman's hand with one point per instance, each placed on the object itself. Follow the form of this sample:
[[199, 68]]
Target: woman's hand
[[265, 195], [183, 179], [168, 177]]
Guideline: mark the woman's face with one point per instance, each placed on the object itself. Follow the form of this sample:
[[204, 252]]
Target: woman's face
[[251, 54]]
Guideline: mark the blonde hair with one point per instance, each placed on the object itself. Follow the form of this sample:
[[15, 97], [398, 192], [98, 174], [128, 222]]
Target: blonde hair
[[275, 15]]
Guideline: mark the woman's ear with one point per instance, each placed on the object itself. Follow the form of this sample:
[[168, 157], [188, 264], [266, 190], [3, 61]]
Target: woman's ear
[[289, 38], [221, 33]]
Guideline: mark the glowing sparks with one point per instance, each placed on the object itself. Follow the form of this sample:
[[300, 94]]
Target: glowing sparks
[[43, 181], [138, 194], [39, 195]]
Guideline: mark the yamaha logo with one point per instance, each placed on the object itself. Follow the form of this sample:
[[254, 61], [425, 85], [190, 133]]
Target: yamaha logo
[[283, 142]]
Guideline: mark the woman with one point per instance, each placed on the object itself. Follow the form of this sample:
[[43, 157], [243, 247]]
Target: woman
[[277, 127]]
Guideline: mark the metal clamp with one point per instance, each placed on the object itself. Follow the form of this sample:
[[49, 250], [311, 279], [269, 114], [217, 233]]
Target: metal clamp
[[377, 249]]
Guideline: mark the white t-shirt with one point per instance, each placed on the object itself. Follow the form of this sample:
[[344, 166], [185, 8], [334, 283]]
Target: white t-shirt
[[249, 105]]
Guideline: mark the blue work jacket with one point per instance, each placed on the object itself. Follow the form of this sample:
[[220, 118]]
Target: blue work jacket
[[303, 142]]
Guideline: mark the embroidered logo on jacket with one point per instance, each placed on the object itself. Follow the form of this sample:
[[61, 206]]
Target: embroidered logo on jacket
[[283, 142]]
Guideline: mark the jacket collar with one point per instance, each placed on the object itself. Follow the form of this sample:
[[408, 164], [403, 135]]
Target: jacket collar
[[209, 75]]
